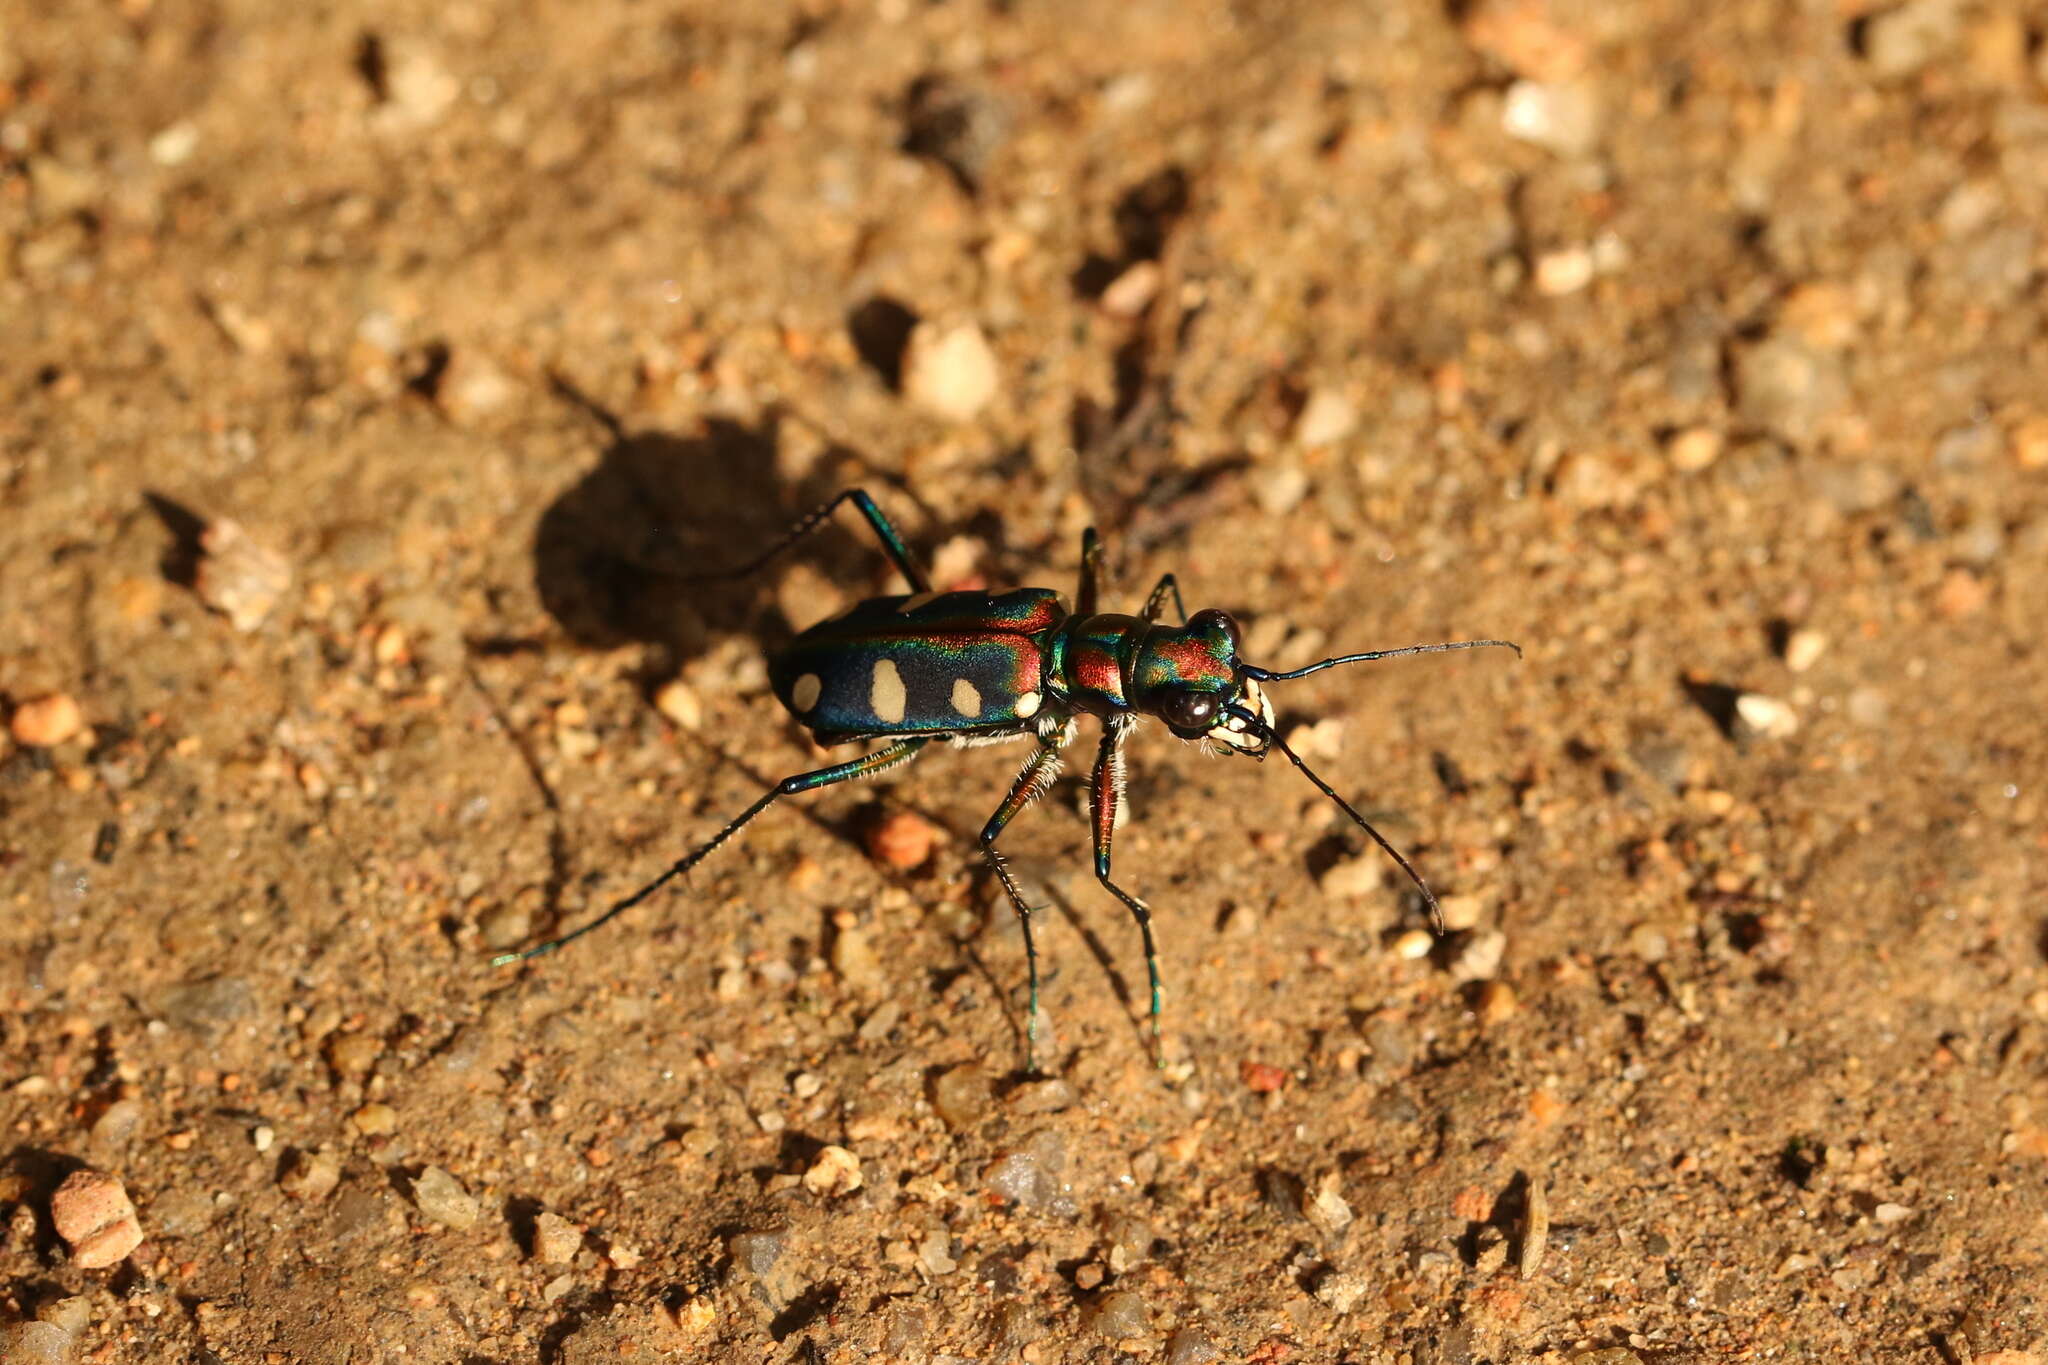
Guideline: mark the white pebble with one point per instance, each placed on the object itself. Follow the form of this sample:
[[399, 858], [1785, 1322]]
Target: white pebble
[[1561, 118], [1766, 716], [1327, 418], [950, 372], [1565, 271], [1802, 648]]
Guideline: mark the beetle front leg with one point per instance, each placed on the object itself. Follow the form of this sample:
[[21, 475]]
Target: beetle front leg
[[1106, 801]]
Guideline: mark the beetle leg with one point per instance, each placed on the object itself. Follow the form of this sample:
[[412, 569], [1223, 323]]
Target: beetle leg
[[892, 543], [1037, 774], [1091, 574], [1155, 605], [1107, 800], [865, 766]]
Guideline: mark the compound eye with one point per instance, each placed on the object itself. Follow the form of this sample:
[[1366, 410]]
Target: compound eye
[[1188, 710], [1210, 619]]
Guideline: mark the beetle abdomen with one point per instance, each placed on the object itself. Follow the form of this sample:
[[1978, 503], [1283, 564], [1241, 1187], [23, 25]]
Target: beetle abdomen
[[929, 664]]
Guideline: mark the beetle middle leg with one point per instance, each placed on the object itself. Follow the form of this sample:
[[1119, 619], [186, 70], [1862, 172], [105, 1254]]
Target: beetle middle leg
[[865, 766], [1089, 592], [1165, 590], [1036, 775], [1106, 800]]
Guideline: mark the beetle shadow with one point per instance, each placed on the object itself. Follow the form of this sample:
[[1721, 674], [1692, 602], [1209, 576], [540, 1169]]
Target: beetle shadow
[[647, 546]]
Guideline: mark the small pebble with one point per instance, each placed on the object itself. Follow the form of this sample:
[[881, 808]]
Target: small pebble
[[240, 577], [1868, 707], [960, 1096], [1803, 648], [1130, 293], [262, 1136], [1962, 593], [1561, 118], [1891, 1214], [1898, 42], [835, 1172], [935, 1253], [92, 1211], [1535, 1229], [1326, 418], [1046, 1095], [1497, 1003], [71, 1314], [311, 1176], [755, 1253], [901, 840], [1461, 912], [1564, 271], [181, 1212], [1091, 1276], [950, 372], [375, 1119], [2030, 440], [556, 1240], [1120, 1316], [1262, 1077], [854, 958], [47, 722], [679, 701], [1649, 943], [1360, 874], [554, 1290], [1190, 1346], [1414, 945], [115, 1129], [1694, 449], [472, 388], [353, 1054], [1326, 1209], [1765, 717], [1279, 489], [1785, 385], [441, 1199], [1033, 1176], [505, 926], [1480, 957], [1341, 1290]]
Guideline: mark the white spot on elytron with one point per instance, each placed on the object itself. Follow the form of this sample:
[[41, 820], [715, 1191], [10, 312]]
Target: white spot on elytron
[[805, 694], [914, 601], [886, 697], [966, 698], [1027, 705]]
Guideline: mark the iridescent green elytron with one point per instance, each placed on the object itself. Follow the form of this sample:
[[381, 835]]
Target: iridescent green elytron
[[974, 667]]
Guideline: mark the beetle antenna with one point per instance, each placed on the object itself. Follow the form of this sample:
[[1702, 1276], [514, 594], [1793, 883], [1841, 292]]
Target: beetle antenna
[[1266, 675], [1436, 912]]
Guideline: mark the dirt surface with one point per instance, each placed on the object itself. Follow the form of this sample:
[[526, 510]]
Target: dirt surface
[[371, 370]]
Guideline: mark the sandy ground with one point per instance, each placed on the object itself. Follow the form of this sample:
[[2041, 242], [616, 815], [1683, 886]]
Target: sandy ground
[[371, 369]]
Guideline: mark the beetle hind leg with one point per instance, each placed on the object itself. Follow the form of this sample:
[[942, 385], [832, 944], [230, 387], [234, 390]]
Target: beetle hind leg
[[865, 766], [1036, 775]]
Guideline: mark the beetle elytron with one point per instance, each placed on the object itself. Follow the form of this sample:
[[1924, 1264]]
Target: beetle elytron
[[979, 668]]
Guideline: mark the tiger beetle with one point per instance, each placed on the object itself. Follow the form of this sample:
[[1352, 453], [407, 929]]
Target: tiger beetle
[[975, 668]]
